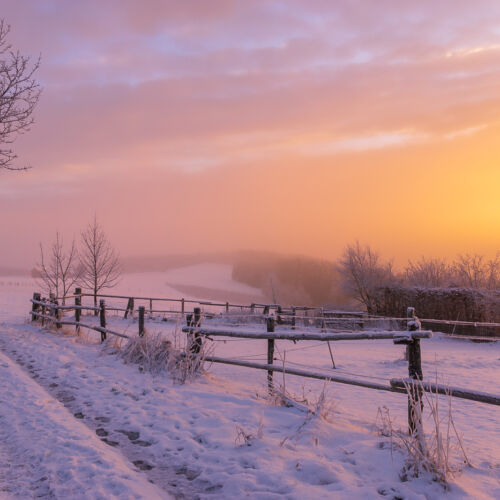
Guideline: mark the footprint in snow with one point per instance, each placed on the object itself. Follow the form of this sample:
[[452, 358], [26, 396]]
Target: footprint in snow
[[132, 435], [142, 465], [110, 443]]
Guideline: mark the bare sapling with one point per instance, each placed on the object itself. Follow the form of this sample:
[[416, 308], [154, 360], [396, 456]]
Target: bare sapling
[[59, 269], [100, 264]]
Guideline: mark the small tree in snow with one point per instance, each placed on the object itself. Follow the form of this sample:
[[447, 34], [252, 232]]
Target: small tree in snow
[[361, 272], [59, 270], [99, 261]]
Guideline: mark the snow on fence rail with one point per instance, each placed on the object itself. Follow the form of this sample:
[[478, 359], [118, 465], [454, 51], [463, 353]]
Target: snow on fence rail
[[414, 386]]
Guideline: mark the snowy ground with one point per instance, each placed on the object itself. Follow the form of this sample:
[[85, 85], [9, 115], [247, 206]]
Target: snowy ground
[[71, 412]]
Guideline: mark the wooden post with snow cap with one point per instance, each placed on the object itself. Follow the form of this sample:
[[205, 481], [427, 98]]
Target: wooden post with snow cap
[[415, 402], [196, 338], [102, 318], [141, 320], [35, 307], [78, 311], [270, 354]]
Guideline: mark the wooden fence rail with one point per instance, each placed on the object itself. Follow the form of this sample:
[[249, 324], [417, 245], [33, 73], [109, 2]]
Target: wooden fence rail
[[413, 386]]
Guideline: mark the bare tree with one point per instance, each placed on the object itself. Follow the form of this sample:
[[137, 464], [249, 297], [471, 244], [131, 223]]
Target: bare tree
[[428, 273], [60, 270], [99, 261], [19, 94], [361, 272]]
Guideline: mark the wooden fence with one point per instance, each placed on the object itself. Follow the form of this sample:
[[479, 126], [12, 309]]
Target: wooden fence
[[49, 310]]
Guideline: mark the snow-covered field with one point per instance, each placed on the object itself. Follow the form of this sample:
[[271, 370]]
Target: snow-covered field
[[76, 422]]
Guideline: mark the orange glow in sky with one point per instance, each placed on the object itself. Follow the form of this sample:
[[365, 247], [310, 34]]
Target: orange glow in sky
[[293, 126]]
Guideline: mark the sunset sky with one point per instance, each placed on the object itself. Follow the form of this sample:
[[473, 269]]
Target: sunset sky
[[294, 126]]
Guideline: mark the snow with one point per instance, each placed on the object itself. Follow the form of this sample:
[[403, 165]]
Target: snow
[[46, 453], [193, 436]]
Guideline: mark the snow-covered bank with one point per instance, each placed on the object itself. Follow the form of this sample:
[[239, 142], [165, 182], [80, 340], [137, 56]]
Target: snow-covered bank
[[186, 437], [46, 453]]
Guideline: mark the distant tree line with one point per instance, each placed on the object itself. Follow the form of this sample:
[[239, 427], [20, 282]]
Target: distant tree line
[[357, 275], [363, 272]]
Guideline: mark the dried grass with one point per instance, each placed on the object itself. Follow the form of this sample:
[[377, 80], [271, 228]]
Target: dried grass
[[154, 354], [440, 452]]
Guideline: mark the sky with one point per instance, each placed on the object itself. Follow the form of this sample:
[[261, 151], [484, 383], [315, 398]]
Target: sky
[[293, 126]]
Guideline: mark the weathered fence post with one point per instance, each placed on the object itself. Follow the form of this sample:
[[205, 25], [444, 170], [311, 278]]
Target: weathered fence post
[[150, 308], [270, 354], [194, 323], [57, 313], [182, 306], [323, 323], [78, 311], [227, 307], [141, 320], [293, 317], [265, 311], [410, 314], [43, 311], [35, 307], [130, 308], [279, 311], [415, 402], [102, 319], [252, 308]]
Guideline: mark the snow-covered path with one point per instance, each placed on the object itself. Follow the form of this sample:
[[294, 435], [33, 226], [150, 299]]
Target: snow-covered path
[[46, 453]]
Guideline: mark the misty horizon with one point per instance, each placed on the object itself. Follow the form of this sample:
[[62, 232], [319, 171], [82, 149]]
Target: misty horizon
[[245, 126]]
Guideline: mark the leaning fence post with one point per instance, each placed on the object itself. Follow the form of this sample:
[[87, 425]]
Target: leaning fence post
[[43, 311], [57, 313], [270, 354], [130, 308], [102, 319], [78, 311], [35, 307], [141, 320]]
